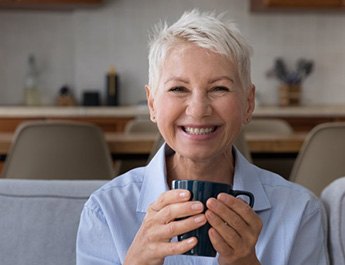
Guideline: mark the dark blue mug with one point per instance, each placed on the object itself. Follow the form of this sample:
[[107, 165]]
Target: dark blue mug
[[202, 191]]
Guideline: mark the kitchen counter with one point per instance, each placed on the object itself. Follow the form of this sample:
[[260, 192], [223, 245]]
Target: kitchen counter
[[303, 118], [129, 111], [301, 111], [109, 119], [114, 119]]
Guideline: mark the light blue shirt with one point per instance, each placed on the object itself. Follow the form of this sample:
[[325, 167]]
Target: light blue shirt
[[293, 220]]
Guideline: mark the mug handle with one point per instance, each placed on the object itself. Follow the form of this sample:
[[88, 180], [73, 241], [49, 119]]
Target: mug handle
[[245, 193]]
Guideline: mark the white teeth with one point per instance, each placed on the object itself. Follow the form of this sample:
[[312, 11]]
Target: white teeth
[[199, 131]]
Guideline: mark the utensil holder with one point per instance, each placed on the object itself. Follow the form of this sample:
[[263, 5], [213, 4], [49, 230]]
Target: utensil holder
[[289, 95]]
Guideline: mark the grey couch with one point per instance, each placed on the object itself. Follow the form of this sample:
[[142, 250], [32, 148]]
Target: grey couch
[[39, 220], [333, 197]]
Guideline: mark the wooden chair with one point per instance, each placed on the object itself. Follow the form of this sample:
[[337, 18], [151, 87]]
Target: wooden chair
[[271, 126], [58, 150], [140, 125], [276, 126], [321, 159]]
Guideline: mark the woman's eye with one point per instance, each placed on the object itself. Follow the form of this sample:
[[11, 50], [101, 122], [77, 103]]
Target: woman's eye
[[178, 89], [220, 89]]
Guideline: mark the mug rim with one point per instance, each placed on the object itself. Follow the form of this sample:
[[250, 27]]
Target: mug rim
[[201, 181]]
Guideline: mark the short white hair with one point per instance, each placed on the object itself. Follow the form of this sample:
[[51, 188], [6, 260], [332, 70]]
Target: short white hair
[[205, 30]]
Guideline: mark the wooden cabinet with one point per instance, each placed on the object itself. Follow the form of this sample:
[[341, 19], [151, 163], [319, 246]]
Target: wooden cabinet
[[49, 4], [296, 5]]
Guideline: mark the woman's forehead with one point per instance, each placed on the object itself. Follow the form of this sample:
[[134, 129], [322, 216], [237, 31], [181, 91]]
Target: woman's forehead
[[189, 58]]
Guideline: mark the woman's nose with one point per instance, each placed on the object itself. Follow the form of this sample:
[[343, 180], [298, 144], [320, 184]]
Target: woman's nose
[[198, 107]]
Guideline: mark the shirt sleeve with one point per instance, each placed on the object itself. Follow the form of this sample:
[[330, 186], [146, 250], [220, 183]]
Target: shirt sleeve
[[310, 246], [94, 243]]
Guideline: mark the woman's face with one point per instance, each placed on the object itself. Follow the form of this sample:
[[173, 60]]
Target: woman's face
[[199, 104]]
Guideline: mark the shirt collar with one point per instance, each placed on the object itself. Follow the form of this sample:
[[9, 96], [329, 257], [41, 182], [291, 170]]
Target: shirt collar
[[155, 180], [246, 177]]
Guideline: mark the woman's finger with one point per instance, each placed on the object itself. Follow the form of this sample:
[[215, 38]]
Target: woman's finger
[[230, 236], [178, 227], [178, 210], [169, 197], [242, 209], [164, 249], [218, 242], [236, 213], [235, 226], [224, 214]]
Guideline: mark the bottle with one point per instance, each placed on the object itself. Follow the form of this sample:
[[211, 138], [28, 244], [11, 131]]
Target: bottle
[[112, 91], [32, 93]]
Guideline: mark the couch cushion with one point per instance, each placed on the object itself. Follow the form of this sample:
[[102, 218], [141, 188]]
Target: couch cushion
[[39, 219], [333, 197]]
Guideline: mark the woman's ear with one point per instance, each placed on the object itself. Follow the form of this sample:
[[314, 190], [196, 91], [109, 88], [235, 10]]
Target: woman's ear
[[150, 103], [250, 103]]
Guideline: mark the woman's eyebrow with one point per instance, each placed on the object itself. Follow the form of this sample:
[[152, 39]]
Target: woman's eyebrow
[[221, 78], [175, 78]]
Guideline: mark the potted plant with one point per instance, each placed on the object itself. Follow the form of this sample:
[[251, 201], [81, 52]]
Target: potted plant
[[291, 80]]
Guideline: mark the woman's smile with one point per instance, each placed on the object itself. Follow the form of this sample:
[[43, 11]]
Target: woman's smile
[[199, 130]]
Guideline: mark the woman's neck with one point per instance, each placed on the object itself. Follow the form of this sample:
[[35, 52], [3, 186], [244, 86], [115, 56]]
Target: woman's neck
[[220, 169]]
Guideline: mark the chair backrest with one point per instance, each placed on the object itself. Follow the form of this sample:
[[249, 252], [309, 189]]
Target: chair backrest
[[321, 158], [39, 219], [141, 125], [58, 150], [333, 197], [268, 126]]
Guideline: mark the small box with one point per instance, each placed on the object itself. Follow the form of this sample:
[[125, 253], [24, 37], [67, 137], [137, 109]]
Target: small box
[[91, 98]]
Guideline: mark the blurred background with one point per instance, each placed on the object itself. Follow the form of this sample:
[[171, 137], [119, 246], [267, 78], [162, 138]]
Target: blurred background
[[77, 46]]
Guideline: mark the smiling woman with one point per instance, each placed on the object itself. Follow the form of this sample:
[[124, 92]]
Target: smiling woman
[[196, 98], [200, 96]]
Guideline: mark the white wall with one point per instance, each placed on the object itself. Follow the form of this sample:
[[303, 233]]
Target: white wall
[[77, 47]]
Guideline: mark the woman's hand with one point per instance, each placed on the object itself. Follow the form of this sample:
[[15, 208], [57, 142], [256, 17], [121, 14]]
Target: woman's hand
[[234, 231], [152, 242]]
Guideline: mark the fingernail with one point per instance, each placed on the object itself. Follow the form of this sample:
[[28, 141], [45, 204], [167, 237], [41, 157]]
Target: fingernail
[[199, 219], [210, 214], [197, 206], [211, 202], [191, 240], [222, 197], [183, 194]]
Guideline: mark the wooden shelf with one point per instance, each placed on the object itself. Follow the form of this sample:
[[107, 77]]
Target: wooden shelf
[[296, 5], [49, 4]]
